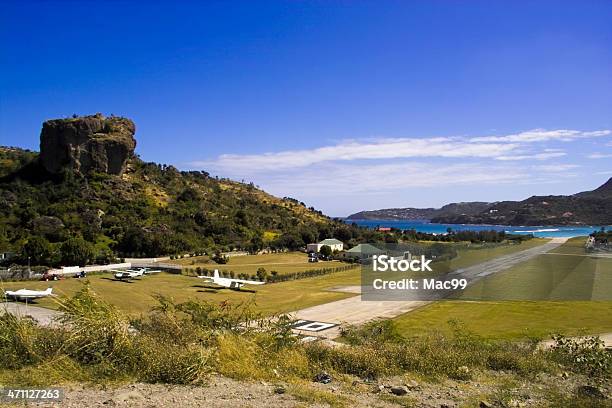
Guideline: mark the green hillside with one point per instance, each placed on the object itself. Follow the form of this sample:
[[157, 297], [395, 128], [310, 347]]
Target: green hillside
[[150, 210]]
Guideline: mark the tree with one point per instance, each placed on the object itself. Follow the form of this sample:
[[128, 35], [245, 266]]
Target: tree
[[76, 251], [262, 274], [256, 244], [37, 249], [325, 250]]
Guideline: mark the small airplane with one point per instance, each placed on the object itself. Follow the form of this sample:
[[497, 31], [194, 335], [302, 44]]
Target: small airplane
[[26, 294], [146, 271], [234, 284], [133, 273], [128, 274]]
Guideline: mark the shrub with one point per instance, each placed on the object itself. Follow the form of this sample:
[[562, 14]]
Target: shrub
[[17, 341], [587, 355], [99, 332]]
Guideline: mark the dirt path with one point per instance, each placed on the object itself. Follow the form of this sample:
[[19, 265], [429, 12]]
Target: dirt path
[[354, 310]]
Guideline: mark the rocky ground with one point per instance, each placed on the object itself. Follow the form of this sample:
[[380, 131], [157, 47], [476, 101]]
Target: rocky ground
[[490, 390]]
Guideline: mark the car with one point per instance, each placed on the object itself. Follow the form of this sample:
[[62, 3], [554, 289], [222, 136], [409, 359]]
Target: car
[[47, 276]]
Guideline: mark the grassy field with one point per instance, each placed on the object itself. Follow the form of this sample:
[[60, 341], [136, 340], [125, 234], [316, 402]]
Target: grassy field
[[137, 296], [560, 275], [476, 254], [282, 263], [579, 284], [511, 319]]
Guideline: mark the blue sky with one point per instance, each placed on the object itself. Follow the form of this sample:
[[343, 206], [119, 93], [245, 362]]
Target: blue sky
[[343, 105]]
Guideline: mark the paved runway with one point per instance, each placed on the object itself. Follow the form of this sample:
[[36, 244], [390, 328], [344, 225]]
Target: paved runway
[[355, 311]]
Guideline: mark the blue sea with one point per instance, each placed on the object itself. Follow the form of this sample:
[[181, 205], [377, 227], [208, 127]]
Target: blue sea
[[426, 226]]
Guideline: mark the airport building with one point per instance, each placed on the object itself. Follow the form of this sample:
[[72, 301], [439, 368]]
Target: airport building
[[334, 244]]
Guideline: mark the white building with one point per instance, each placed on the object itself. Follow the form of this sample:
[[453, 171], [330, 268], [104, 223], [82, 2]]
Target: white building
[[333, 243], [5, 256]]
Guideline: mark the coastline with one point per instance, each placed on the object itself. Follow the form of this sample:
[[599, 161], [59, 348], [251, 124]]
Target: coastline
[[543, 231]]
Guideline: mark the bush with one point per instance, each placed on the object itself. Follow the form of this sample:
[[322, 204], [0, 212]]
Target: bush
[[17, 341], [181, 343], [587, 355], [99, 332]]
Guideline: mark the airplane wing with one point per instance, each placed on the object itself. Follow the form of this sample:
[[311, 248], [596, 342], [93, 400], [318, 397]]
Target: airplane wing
[[248, 282]]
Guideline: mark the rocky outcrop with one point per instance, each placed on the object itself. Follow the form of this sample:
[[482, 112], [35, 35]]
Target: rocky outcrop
[[87, 144]]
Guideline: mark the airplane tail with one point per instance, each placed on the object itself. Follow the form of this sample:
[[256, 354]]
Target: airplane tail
[[49, 290], [216, 274]]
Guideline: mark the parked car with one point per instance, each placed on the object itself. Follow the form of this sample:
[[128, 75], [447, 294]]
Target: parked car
[[47, 276]]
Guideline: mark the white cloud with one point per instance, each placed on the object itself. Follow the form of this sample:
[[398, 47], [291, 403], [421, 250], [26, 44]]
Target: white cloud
[[345, 178], [536, 156], [511, 147], [599, 155], [391, 165], [556, 168], [352, 150], [542, 135]]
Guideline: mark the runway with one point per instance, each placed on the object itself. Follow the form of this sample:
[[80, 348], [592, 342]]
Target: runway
[[355, 311]]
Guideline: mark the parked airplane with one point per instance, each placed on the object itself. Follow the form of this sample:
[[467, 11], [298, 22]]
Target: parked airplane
[[149, 271], [133, 273], [26, 294], [230, 283], [129, 274]]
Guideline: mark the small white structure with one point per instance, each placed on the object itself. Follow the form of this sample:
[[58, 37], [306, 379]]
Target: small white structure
[[4, 256], [334, 244]]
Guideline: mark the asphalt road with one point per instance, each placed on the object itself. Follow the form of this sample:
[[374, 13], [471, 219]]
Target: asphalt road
[[355, 311]]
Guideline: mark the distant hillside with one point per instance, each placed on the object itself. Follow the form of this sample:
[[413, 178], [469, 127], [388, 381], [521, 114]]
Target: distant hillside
[[586, 208], [474, 207], [92, 197]]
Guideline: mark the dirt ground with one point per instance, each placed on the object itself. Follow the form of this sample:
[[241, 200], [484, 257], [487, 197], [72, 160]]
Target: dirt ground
[[496, 389]]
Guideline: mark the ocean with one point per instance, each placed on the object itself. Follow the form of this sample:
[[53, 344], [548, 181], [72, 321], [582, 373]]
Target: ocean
[[426, 226]]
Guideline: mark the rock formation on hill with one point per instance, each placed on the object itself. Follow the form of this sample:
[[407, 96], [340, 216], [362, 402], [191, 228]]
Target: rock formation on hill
[[87, 144]]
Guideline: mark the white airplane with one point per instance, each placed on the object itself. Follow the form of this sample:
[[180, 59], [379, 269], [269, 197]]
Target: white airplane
[[26, 294], [133, 273], [129, 274], [230, 283], [149, 271]]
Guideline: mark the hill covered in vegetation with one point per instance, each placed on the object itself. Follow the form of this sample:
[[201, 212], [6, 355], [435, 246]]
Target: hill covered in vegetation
[[421, 213], [88, 197], [586, 208]]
